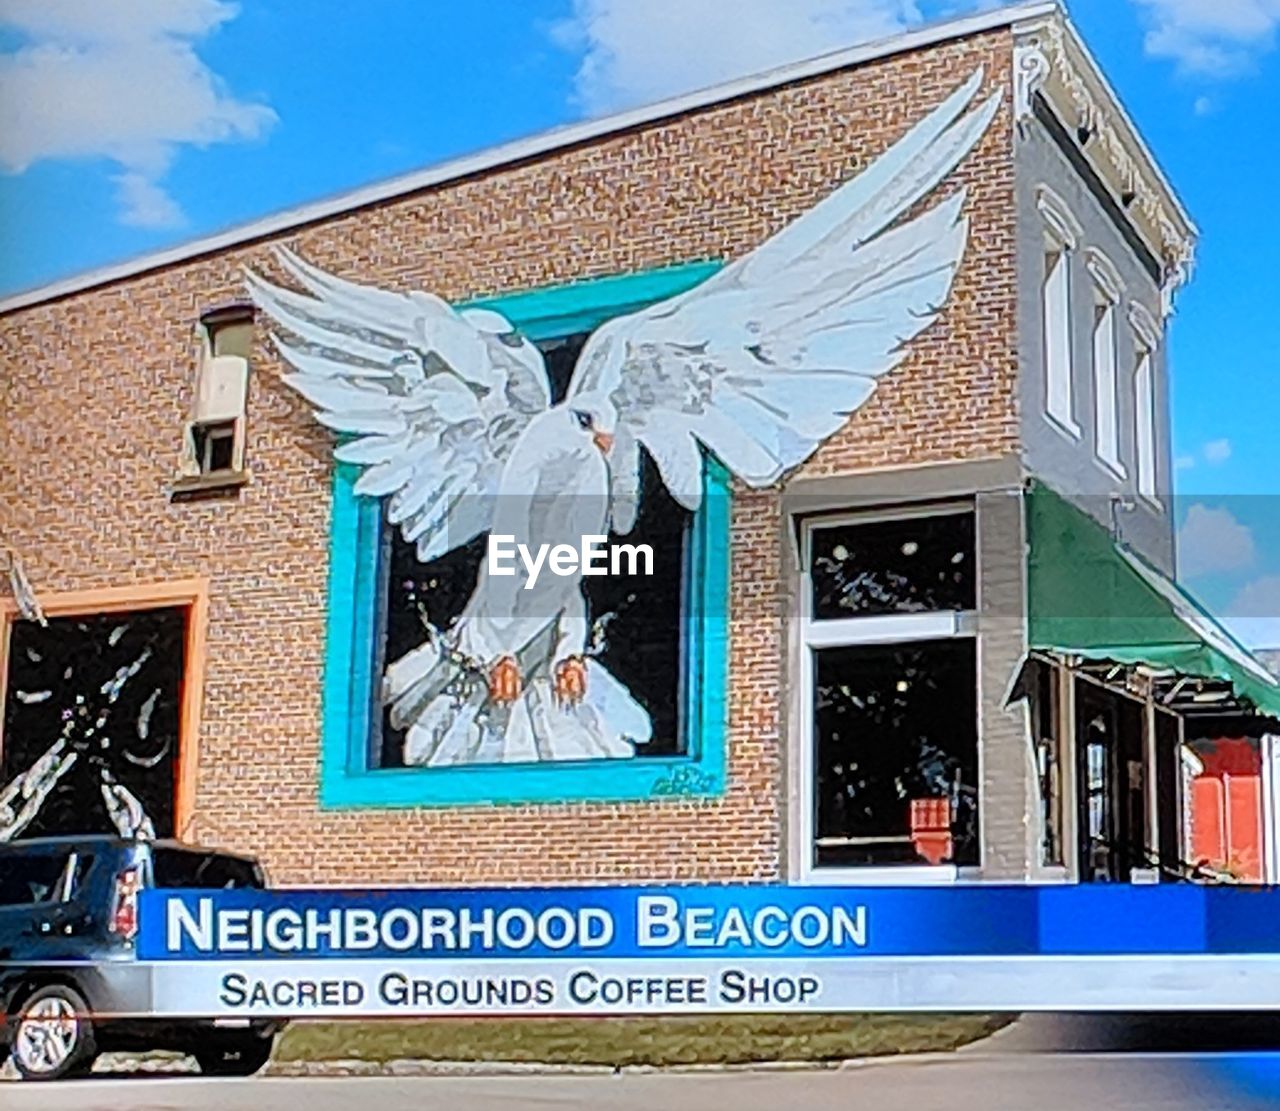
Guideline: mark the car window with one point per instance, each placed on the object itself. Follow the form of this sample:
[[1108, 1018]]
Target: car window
[[27, 878], [176, 868]]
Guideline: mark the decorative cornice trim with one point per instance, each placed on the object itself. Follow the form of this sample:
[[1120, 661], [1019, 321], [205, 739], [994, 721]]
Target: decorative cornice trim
[[1051, 60]]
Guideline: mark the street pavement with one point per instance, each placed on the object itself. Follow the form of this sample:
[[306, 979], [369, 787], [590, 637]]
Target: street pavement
[[1043, 1063]]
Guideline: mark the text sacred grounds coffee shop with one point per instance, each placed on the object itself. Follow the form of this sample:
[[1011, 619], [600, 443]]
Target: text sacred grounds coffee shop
[[865, 356]]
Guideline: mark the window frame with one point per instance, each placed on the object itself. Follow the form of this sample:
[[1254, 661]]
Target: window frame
[[193, 476], [347, 781], [1146, 337], [1061, 236], [1108, 293], [872, 630]]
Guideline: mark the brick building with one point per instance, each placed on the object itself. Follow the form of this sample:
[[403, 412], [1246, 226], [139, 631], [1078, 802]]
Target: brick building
[[156, 492]]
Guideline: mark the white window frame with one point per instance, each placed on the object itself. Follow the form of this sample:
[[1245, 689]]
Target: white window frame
[[1146, 419], [852, 632], [1062, 238], [1108, 290], [227, 410]]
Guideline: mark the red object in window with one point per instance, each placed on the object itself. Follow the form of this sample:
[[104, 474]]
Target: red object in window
[[1225, 802], [931, 829]]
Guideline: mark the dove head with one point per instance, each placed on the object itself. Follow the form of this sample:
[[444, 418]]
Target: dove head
[[593, 415]]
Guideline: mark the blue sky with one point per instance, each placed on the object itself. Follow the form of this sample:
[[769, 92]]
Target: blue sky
[[127, 127]]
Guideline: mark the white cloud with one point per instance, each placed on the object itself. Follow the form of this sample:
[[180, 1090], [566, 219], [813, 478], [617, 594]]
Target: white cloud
[[1217, 451], [121, 82], [1254, 613], [1213, 540], [1184, 462], [637, 51], [1203, 106], [1219, 38], [144, 204]]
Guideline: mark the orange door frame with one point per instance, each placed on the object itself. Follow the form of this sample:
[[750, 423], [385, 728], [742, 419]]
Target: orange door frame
[[193, 596]]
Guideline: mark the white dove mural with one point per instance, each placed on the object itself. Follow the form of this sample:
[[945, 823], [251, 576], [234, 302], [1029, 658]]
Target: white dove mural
[[450, 414]]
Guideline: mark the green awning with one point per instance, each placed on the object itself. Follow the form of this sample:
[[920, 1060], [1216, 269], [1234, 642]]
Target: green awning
[[1092, 597]]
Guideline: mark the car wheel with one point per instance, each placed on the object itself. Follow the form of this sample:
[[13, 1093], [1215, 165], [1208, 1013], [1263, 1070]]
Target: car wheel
[[52, 1034], [242, 1056]]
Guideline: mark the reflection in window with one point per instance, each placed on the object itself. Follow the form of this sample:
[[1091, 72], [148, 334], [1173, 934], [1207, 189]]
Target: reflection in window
[[908, 565], [896, 742], [1046, 730], [30, 878]]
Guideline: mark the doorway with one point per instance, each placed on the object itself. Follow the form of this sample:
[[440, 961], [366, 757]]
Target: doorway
[[1112, 820]]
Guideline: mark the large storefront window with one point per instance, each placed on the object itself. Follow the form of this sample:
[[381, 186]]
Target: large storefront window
[[892, 692]]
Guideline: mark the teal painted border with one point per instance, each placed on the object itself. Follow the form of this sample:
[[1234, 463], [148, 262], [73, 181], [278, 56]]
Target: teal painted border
[[350, 695]]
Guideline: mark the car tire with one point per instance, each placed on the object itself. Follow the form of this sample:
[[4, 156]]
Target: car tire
[[52, 1035], [242, 1056]]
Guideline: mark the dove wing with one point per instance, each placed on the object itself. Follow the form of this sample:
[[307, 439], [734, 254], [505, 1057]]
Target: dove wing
[[429, 399], [768, 357]]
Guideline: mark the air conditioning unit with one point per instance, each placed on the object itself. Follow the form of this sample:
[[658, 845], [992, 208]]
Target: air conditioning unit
[[224, 380]]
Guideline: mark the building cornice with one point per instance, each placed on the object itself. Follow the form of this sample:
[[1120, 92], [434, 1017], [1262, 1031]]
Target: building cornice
[[1051, 61]]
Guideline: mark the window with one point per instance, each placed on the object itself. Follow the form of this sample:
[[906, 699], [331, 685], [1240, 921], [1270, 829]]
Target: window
[[1060, 239], [1056, 296], [180, 868], [889, 664], [215, 437], [1106, 295], [214, 445], [1047, 738], [1146, 339], [30, 878]]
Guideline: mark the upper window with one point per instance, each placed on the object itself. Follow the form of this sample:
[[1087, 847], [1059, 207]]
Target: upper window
[[1146, 339], [1106, 392], [905, 565], [891, 690], [1061, 237], [215, 437]]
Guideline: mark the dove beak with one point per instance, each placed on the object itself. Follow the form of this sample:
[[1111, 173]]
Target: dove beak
[[602, 440]]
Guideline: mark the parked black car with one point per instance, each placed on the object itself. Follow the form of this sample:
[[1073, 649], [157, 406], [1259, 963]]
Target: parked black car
[[70, 986]]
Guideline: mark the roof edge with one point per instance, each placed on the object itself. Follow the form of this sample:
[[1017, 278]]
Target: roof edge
[[520, 150]]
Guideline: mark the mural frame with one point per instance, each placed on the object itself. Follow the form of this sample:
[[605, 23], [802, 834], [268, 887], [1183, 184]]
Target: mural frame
[[191, 595], [347, 781]]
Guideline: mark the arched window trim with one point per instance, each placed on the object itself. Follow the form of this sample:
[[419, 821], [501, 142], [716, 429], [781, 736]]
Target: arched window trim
[[1105, 275], [1059, 217]]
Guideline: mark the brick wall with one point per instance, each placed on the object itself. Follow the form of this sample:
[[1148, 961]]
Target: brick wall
[[96, 387]]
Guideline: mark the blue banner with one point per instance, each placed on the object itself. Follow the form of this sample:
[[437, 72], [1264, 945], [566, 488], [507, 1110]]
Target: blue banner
[[693, 922]]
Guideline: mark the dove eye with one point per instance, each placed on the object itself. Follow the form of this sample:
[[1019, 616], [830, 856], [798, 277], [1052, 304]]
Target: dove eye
[[583, 419]]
